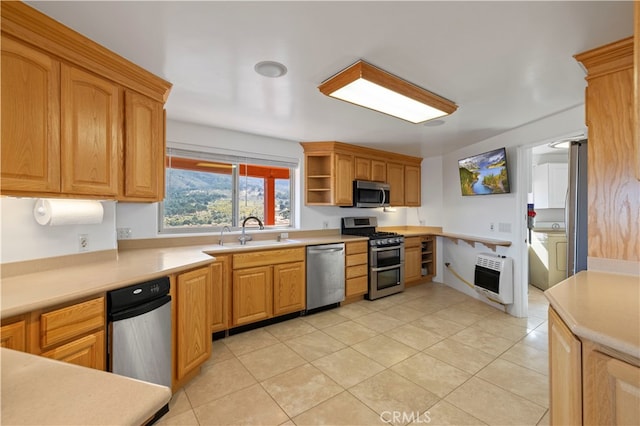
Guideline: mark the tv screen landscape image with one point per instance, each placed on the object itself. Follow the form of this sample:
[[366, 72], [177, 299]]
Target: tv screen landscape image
[[485, 173]]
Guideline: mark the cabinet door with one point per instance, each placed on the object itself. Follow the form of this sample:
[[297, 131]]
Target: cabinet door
[[13, 336], [90, 133], [30, 112], [252, 294], [362, 169], [412, 188], [289, 289], [565, 354], [220, 281], [612, 391], [412, 263], [193, 300], [378, 171], [558, 183], [395, 177], [87, 351], [343, 189], [144, 147]]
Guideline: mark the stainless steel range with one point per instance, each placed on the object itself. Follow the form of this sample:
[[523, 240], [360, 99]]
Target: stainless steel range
[[386, 256]]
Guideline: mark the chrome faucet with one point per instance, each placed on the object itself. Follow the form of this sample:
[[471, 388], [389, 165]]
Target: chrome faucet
[[220, 241], [244, 238]]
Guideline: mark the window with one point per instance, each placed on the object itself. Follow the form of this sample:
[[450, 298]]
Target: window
[[205, 192]]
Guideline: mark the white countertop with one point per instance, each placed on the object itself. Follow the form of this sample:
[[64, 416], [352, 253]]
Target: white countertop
[[601, 307], [28, 292], [41, 391]]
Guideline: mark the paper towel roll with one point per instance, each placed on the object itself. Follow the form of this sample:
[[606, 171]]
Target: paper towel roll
[[55, 212]]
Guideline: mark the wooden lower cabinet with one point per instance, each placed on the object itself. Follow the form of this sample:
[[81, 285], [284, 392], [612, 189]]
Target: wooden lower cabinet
[[192, 320], [611, 389], [565, 354], [288, 295], [267, 283], [356, 268], [589, 383], [87, 351], [13, 334], [412, 259], [220, 293], [252, 295]]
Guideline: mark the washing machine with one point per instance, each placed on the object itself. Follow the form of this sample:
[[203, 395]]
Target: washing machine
[[547, 258]]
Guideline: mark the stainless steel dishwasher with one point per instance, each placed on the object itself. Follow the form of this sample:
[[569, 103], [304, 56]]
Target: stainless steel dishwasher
[[139, 343], [325, 275]]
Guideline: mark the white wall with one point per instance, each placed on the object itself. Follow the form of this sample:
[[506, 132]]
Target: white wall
[[472, 215], [22, 238]]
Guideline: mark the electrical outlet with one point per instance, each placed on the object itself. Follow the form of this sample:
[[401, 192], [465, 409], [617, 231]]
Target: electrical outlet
[[124, 233], [325, 224], [83, 242], [422, 222], [284, 235], [492, 227]]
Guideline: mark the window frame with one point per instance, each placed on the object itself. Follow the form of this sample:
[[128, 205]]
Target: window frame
[[234, 158]]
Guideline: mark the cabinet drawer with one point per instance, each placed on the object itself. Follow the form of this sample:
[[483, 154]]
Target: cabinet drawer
[[357, 259], [75, 320], [356, 286], [268, 257], [13, 335], [356, 247], [412, 242], [357, 271]]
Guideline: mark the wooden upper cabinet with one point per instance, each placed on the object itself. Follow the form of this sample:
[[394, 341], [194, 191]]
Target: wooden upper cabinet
[[395, 178], [30, 129], [331, 168], [378, 171], [144, 147], [90, 133], [362, 168], [63, 115], [412, 186], [343, 183]]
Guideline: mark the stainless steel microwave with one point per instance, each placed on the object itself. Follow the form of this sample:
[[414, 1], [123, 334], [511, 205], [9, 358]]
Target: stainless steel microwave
[[370, 194]]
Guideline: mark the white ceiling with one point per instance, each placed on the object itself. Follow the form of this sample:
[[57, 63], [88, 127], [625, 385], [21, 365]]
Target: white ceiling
[[504, 63]]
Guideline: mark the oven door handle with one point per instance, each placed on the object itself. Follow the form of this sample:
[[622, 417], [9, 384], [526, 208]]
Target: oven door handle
[[386, 268], [386, 248]]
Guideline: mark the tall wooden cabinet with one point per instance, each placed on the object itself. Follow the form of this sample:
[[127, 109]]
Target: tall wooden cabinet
[[220, 293], [77, 120], [614, 191]]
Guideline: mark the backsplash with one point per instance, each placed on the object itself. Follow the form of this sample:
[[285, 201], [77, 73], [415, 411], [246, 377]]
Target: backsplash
[[22, 238]]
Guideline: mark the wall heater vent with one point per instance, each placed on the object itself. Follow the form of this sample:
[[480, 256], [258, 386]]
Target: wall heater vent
[[494, 277]]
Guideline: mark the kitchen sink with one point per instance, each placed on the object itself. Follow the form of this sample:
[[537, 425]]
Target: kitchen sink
[[259, 243]]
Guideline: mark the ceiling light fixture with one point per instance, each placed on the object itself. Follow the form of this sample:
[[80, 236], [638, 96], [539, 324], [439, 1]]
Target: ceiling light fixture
[[370, 87], [270, 69]]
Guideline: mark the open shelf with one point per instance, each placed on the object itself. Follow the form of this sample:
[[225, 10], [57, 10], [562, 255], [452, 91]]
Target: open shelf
[[471, 240]]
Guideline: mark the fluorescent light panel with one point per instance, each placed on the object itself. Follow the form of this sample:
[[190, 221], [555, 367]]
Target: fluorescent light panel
[[365, 85]]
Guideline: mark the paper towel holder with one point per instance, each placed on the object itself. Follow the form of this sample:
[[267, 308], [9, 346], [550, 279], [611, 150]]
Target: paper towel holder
[[54, 211]]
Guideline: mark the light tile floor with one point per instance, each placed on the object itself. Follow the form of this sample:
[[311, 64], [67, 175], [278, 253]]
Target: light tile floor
[[430, 355]]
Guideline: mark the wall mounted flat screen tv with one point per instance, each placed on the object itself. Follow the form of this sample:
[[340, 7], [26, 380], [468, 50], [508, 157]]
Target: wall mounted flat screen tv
[[485, 173]]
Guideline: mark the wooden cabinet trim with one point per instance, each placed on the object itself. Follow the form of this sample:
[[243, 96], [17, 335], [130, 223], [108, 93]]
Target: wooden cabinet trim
[[27, 23], [377, 154]]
